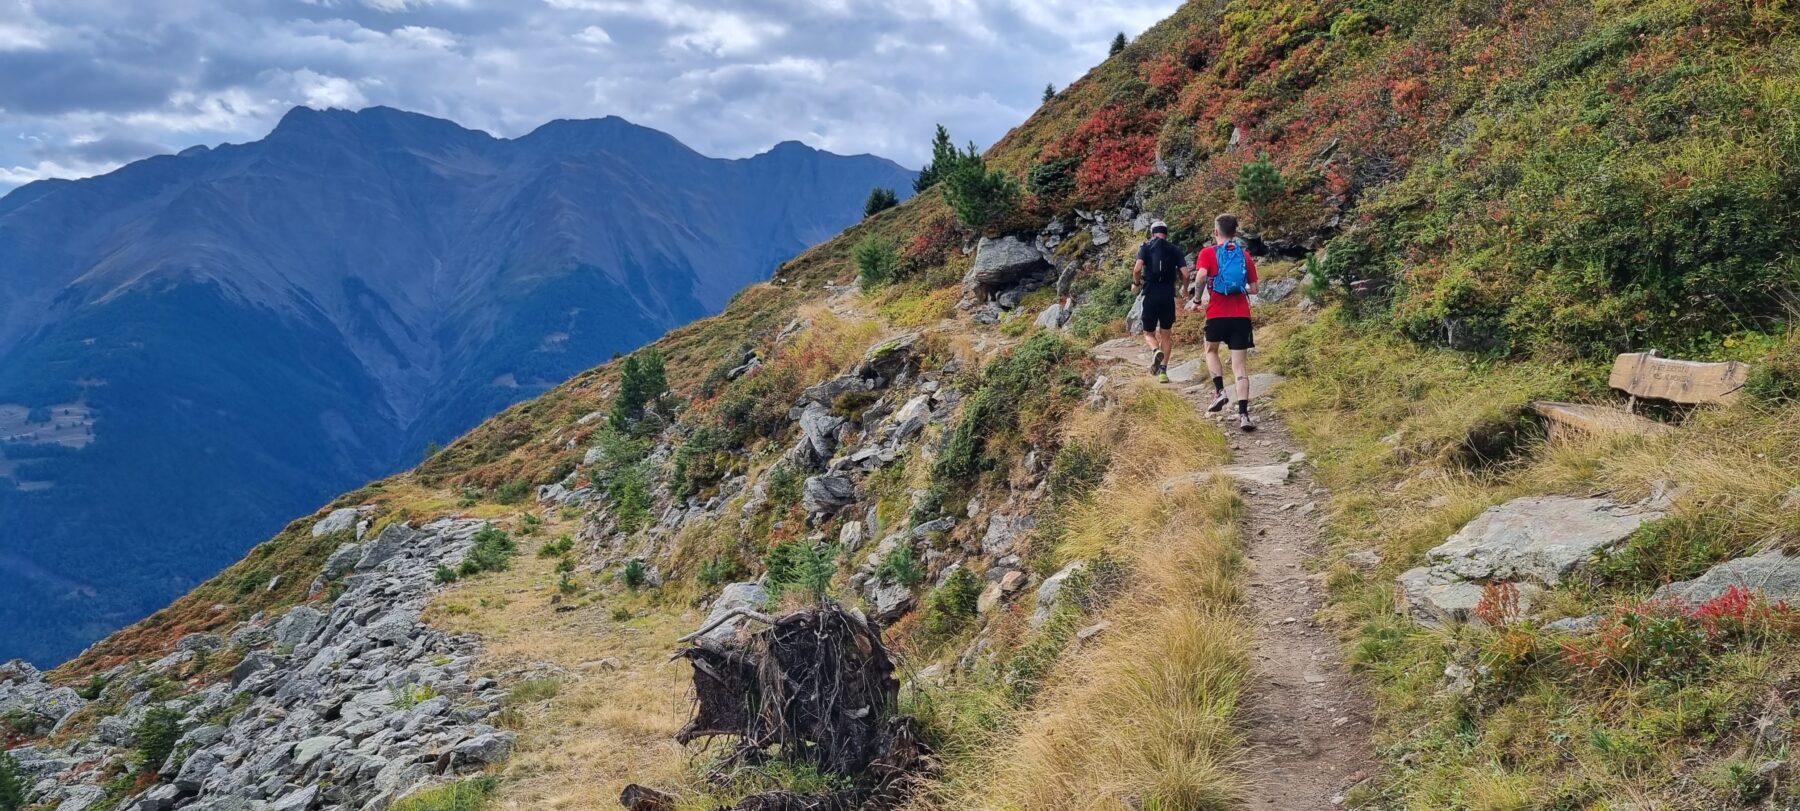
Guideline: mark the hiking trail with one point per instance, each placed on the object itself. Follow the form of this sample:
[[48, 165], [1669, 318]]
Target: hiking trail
[[1306, 719]]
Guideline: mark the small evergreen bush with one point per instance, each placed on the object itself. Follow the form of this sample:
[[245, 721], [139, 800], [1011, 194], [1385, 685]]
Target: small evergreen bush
[[950, 607], [492, 552], [877, 262], [880, 200], [156, 734]]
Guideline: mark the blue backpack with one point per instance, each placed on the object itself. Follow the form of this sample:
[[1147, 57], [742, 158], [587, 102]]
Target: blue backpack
[[1233, 278]]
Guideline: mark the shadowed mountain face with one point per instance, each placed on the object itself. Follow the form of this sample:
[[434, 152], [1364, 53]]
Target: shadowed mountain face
[[196, 347]]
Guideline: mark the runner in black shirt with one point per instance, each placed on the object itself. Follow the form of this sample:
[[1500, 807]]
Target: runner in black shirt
[[1159, 272]]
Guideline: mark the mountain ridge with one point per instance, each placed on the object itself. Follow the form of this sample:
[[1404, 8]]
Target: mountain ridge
[[422, 274]]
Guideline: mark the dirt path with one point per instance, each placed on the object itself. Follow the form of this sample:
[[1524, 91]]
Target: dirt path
[[1307, 719]]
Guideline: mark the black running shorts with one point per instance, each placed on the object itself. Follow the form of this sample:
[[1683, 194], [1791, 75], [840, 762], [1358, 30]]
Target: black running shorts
[[1159, 314], [1234, 333]]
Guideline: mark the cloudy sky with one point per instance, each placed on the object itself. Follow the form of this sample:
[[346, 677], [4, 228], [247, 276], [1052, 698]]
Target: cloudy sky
[[91, 84]]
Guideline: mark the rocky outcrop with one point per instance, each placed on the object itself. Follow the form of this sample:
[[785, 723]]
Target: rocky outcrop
[[1535, 541], [1774, 574], [343, 704], [1003, 262]]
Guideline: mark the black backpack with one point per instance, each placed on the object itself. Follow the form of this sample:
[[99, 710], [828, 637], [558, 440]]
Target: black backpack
[[1164, 266]]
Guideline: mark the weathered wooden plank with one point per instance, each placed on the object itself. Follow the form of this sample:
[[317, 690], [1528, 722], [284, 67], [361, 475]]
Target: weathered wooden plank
[[1642, 374], [1596, 419]]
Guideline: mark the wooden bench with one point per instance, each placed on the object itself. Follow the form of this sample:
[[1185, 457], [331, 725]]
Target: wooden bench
[[1645, 375]]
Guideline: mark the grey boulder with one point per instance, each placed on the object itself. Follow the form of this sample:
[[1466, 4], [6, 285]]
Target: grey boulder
[[342, 519], [828, 493], [1001, 262], [1774, 574]]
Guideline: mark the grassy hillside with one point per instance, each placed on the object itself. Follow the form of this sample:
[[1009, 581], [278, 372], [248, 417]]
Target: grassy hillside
[[1486, 200]]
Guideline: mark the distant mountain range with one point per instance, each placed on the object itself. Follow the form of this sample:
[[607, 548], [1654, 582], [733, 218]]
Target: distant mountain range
[[197, 347]]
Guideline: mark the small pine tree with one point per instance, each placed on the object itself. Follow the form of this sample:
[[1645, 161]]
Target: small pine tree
[[980, 197], [1258, 184], [1049, 93], [880, 200], [877, 261], [12, 784], [643, 380], [944, 159], [1118, 45]]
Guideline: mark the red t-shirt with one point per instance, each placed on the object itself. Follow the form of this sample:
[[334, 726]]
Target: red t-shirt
[[1221, 306]]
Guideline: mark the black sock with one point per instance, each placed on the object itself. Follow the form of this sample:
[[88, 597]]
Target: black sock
[[1218, 384], [1243, 407]]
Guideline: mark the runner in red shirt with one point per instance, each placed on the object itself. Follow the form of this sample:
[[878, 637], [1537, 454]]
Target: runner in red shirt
[[1227, 317]]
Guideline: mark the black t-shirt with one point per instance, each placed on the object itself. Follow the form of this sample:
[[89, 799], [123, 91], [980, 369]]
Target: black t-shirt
[[1162, 268]]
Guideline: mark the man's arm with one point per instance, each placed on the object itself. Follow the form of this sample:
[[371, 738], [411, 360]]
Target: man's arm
[[1250, 273], [1137, 276]]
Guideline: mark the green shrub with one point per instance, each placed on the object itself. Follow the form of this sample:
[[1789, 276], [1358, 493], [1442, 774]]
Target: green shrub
[[880, 200], [629, 492], [492, 552], [1776, 378], [718, 570], [1078, 466], [512, 492], [530, 523], [95, 686], [697, 462], [561, 545], [980, 197], [945, 159], [1012, 384], [1104, 309], [1259, 183], [156, 734], [634, 574], [901, 567], [784, 487], [12, 783], [531, 691], [466, 795], [1053, 181], [796, 566], [877, 261], [444, 575], [643, 381], [1118, 45], [950, 607]]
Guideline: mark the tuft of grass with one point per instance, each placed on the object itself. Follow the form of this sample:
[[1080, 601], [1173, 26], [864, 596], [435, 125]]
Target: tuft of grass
[[464, 795], [1174, 662]]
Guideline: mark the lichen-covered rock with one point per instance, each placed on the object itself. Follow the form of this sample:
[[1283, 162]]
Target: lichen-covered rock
[[1773, 573], [342, 519], [1533, 542], [1049, 590]]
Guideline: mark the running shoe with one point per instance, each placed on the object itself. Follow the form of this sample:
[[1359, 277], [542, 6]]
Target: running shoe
[[1245, 423], [1156, 362], [1219, 402], [1162, 376]]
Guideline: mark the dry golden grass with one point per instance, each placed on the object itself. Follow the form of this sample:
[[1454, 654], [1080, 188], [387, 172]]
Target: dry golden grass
[[1143, 715], [620, 701]]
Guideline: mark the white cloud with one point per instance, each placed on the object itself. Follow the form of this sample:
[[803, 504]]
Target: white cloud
[[329, 91], [44, 170], [728, 77], [594, 35]]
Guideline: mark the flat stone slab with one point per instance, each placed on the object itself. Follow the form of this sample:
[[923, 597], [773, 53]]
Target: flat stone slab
[[1187, 372], [1773, 574], [1273, 475], [1534, 542], [1537, 538]]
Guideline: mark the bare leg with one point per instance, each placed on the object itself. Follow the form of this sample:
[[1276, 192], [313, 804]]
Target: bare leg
[[1240, 368], [1168, 343], [1212, 359]]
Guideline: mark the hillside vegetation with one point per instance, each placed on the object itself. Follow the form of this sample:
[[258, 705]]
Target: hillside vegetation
[[1484, 203]]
